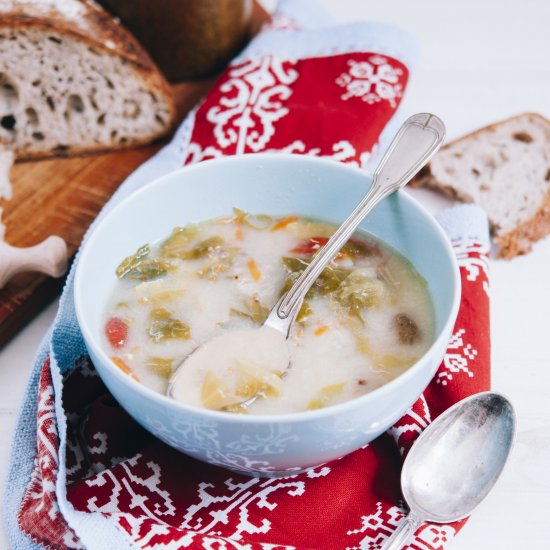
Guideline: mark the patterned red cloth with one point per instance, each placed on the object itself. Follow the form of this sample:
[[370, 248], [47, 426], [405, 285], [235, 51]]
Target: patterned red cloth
[[333, 105]]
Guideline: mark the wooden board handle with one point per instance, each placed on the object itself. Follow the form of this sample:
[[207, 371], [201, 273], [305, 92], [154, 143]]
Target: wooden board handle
[[49, 257]]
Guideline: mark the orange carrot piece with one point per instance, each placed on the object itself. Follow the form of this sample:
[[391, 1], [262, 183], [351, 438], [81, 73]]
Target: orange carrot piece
[[124, 368], [121, 365], [283, 222], [254, 270], [239, 235], [320, 330]]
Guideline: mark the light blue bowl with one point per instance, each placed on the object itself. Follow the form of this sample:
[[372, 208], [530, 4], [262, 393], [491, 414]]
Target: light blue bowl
[[274, 184]]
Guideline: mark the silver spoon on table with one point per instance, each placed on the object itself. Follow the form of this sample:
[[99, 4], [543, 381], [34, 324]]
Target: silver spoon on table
[[455, 462], [415, 143]]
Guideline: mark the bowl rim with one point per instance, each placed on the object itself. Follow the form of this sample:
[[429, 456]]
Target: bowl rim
[[223, 417]]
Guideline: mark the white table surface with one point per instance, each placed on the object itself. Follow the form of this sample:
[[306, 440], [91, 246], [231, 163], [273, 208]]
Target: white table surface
[[481, 61]]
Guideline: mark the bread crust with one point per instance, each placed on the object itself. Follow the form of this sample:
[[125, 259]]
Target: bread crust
[[97, 29], [490, 128], [90, 22], [425, 178], [521, 238], [26, 156]]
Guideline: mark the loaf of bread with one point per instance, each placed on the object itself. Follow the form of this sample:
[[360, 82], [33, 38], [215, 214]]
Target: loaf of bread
[[73, 80], [505, 168]]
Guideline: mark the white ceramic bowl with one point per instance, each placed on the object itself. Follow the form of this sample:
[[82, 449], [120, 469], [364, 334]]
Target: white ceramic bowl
[[274, 184]]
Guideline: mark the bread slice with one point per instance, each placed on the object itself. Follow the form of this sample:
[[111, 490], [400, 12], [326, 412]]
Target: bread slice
[[73, 80], [505, 168]]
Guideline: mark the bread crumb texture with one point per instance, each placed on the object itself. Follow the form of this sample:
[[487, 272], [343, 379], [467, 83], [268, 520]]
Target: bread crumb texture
[[505, 168], [61, 93]]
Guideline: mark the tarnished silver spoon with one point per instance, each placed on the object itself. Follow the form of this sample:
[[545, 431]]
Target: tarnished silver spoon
[[415, 143], [455, 462]]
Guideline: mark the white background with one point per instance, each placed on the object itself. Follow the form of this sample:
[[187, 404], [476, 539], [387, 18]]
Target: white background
[[481, 61]]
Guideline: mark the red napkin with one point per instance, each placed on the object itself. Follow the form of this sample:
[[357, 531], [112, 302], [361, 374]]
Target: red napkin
[[335, 105]]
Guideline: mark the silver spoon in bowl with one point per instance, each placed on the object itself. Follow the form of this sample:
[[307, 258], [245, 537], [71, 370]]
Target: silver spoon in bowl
[[455, 462], [415, 143]]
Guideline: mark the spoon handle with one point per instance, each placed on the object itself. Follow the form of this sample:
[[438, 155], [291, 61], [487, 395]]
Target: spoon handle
[[416, 142], [403, 534]]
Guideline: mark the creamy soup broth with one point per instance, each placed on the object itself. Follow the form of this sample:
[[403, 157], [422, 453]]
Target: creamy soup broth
[[367, 319]]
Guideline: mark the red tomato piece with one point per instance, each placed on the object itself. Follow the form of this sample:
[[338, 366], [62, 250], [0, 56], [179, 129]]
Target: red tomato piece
[[116, 331], [310, 246]]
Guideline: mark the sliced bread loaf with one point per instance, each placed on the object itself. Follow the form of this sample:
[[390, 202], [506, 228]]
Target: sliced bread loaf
[[505, 168], [73, 80]]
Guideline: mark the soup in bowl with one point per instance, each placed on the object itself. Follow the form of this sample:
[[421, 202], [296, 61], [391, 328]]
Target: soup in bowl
[[367, 318], [175, 265]]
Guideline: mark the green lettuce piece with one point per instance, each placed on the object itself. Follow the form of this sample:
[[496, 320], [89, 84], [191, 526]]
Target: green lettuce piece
[[161, 366], [360, 291], [131, 262], [179, 240], [164, 327], [252, 309], [204, 248], [330, 279], [148, 270]]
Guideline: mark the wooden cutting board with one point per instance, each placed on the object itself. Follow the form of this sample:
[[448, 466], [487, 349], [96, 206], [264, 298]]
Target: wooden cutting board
[[62, 197]]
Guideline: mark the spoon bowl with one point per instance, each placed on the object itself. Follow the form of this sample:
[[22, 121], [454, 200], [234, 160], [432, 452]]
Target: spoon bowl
[[455, 462]]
